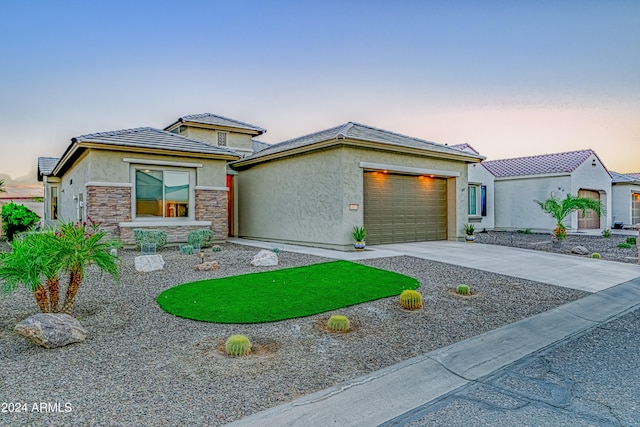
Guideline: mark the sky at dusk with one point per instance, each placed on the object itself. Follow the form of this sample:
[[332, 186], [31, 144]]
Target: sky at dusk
[[511, 78]]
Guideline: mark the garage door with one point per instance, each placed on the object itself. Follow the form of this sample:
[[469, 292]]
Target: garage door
[[635, 208], [591, 220], [404, 208]]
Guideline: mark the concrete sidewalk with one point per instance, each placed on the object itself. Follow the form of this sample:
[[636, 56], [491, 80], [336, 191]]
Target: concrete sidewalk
[[389, 393]]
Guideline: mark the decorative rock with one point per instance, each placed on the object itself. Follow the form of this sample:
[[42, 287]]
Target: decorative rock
[[51, 330], [147, 263], [580, 250], [208, 266], [265, 258]]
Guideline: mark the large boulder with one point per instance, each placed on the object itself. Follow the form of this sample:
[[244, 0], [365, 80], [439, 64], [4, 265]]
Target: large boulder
[[51, 330], [147, 263], [265, 258], [580, 250]]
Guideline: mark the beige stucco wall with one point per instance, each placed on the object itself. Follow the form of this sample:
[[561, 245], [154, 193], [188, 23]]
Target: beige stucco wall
[[73, 184], [210, 136], [305, 199]]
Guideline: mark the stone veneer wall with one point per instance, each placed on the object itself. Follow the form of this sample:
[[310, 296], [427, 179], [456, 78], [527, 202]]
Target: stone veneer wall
[[109, 205], [112, 205], [212, 205]]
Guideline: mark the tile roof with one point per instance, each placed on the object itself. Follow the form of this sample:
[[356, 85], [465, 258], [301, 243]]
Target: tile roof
[[146, 137], [631, 178], [360, 132], [464, 147], [214, 119], [258, 145], [538, 165], [46, 165]]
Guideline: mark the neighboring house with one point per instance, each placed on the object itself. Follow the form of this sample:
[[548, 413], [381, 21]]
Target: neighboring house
[[51, 188], [314, 189], [520, 181], [145, 178], [481, 193], [626, 199]]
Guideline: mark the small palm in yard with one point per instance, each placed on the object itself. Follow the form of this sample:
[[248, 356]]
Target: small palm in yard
[[78, 247], [41, 257], [28, 265], [560, 209]]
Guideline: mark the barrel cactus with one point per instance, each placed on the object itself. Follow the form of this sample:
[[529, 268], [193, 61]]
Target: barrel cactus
[[410, 299], [238, 345], [596, 255], [338, 323], [463, 289]]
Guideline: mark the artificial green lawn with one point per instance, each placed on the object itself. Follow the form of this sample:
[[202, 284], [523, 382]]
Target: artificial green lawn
[[282, 294]]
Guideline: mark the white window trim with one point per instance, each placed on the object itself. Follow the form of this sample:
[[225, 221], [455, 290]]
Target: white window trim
[[164, 220], [162, 163]]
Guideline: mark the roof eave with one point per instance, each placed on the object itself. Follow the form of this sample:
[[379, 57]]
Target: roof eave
[[352, 142], [228, 128]]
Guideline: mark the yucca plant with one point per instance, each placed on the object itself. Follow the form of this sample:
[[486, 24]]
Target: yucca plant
[[338, 323], [410, 299], [238, 345]]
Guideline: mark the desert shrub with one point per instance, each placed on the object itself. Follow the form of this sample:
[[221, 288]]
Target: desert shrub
[[16, 219], [631, 240], [186, 249], [338, 323], [624, 245], [606, 233], [144, 235], [596, 255], [203, 237], [463, 289], [410, 299], [238, 345], [216, 249]]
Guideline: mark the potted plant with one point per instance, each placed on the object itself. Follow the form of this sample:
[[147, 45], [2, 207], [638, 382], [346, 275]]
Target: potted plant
[[469, 229], [359, 234]]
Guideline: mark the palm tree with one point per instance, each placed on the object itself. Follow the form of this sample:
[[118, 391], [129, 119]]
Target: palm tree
[[2, 190], [22, 266], [78, 248], [560, 209]]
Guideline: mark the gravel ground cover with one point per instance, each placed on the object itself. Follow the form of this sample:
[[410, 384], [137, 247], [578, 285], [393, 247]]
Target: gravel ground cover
[[142, 366], [606, 247]]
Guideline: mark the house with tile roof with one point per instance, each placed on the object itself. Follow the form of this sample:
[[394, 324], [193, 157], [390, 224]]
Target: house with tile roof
[[312, 190], [626, 199], [140, 178], [208, 171], [518, 182]]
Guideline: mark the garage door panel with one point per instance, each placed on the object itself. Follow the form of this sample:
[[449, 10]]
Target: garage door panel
[[403, 208]]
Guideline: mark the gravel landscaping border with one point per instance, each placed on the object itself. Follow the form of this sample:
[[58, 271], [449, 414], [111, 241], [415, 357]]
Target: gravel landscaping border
[[142, 366]]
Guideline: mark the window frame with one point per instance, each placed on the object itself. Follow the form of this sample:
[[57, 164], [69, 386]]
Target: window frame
[[480, 200], [191, 192]]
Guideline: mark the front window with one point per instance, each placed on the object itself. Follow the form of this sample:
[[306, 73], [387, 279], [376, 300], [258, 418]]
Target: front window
[[477, 200], [53, 208], [162, 193]]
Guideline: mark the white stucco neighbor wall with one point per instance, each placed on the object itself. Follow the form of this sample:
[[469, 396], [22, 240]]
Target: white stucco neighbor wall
[[305, 199], [595, 178], [514, 201], [478, 174], [621, 202]]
